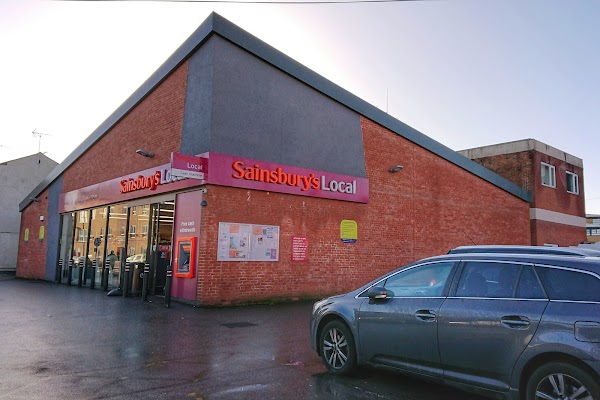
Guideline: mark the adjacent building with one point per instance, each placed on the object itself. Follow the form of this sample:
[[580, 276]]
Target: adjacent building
[[555, 179], [256, 179], [17, 178], [592, 228]]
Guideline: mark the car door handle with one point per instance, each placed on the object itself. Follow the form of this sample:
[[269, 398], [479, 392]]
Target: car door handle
[[425, 315], [515, 322]]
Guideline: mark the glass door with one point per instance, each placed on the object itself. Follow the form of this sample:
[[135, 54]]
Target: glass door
[[161, 235], [66, 246]]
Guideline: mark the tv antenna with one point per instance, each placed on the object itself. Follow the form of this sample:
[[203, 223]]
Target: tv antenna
[[39, 136]]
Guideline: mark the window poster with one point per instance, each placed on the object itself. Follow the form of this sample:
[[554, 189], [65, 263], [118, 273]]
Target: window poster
[[246, 242]]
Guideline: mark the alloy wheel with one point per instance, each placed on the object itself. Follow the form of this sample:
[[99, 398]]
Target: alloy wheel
[[335, 348], [559, 386]]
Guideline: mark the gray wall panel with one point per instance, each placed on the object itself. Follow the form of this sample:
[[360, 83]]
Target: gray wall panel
[[53, 229], [261, 112], [197, 115]]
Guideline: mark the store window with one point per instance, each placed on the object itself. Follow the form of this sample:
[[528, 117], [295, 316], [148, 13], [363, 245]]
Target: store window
[[572, 183], [548, 175]]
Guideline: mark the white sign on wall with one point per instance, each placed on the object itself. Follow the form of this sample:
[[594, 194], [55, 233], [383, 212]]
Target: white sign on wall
[[247, 242]]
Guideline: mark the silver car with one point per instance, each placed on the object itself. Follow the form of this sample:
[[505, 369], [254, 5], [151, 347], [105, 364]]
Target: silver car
[[510, 326]]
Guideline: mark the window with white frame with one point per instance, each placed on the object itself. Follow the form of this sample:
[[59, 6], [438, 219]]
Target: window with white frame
[[548, 175], [132, 229], [101, 232], [122, 231], [81, 235], [572, 183], [144, 230]]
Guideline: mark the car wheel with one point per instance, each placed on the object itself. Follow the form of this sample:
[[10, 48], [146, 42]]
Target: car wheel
[[562, 381], [337, 348]]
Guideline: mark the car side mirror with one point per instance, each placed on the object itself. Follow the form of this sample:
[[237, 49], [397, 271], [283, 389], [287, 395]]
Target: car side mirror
[[377, 293]]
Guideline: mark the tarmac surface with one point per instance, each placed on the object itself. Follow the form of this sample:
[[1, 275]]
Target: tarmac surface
[[60, 342]]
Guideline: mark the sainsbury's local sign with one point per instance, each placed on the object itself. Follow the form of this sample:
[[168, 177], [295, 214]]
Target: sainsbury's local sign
[[234, 171], [225, 170]]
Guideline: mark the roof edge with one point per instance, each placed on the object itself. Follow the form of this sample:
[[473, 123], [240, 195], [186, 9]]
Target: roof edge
[[223, 27]]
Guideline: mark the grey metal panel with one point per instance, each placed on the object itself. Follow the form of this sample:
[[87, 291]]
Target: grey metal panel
[[309, 77], [53, 229], [198, 108], [263, 113]]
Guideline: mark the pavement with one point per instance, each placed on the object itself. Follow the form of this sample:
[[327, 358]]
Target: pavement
[[60, 342]]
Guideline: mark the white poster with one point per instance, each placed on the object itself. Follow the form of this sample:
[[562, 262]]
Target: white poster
[[246, 242]]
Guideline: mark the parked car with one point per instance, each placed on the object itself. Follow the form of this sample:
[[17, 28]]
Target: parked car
[[512, 326], [566, 251]]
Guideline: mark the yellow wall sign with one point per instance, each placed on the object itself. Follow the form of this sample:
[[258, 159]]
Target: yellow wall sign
[[26, 238], [348, 231], [42, 232]]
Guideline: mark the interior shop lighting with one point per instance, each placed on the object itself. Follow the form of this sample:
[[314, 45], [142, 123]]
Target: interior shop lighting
[[145, 153], [396, 168]]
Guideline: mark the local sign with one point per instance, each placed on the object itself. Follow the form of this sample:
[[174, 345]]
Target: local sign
[[188, 166]]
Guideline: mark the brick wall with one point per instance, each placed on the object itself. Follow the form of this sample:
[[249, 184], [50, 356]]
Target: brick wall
[[516, 167], [558, 199], [154, 124], [427, 208], [544, 232], [31, 260]]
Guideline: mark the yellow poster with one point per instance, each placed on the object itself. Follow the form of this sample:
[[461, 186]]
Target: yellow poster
[[42, 232], [348, 231], [26, 238]]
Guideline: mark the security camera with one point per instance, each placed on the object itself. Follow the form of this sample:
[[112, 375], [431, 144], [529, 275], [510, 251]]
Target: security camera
[[203, 190]]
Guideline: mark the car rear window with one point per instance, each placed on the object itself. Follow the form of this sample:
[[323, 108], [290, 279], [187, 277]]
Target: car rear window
[[562, 284]]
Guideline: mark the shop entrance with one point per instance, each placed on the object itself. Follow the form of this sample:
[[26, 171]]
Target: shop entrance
[[140, 233]]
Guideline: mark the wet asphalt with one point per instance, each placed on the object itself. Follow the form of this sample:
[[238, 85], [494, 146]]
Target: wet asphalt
[[60, 342]]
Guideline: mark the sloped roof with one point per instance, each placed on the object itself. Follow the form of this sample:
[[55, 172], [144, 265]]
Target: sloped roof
[[215, 24]]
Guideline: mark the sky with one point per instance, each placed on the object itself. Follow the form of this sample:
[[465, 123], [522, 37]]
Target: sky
[[467, 73]]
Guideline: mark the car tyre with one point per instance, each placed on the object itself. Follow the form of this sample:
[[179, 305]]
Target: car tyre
[[337, 348], [560, 380]]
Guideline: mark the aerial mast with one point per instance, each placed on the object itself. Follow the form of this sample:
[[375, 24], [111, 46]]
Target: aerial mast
[[39, 136]]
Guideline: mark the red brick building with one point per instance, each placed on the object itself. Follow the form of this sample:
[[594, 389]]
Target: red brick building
[[307, 190], [555, 179]]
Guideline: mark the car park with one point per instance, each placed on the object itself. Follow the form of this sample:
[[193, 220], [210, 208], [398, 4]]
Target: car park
[[512, 326]]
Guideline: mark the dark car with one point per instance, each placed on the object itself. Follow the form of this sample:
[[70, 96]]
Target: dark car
[[502, 325]]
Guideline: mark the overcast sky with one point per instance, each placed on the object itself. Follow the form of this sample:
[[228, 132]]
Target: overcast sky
[[467, 73]]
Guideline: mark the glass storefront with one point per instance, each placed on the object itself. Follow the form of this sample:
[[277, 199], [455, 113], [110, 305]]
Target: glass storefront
[[96, 238]]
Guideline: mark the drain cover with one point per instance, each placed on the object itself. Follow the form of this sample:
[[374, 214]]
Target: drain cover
[[238, 324]]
